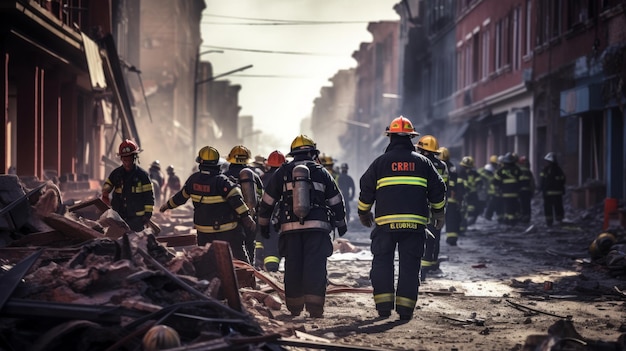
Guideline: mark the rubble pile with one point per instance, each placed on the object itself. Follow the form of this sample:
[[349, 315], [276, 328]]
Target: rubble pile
[[74, 283]]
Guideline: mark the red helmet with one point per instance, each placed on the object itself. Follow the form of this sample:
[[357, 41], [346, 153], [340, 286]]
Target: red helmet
[[128, 147], [401, 126], [275, 159]]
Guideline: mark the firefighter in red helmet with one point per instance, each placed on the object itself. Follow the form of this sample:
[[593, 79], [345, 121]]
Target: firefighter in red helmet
[[132, 195], [267, 248], [406, 190]]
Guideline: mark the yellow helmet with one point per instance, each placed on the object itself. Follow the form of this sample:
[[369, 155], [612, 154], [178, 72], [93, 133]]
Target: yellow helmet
[[302, 143], [160, 337], [493, 159], [467, 161], [208, 155], [327, 161], [239, 155], [428, 143], [444, 153]]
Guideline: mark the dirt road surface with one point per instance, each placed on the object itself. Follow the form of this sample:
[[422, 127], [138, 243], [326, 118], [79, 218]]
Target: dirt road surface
[[498, 287]]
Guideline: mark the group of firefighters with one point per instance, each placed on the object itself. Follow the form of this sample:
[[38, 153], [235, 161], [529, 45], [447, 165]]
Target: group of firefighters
[[286, 206]]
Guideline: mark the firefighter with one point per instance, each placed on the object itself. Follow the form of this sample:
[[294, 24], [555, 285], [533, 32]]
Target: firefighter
[[310, 205], [473, 182], [238, 159], [552, 186], [219, 210], [258, 165], [406, 190], [527, 189], [487, 173], [507, 184], [346, 186], [429, 147], [267, 248], [172, 185], [454, 197], [328, 163], [132, 193], [158, 181]]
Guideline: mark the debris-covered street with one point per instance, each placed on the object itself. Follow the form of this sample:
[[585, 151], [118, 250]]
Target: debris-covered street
[[74, 278]]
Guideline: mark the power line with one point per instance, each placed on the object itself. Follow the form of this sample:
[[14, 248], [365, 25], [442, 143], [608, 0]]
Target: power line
[[302, 53], [282, 21], [273, 76]]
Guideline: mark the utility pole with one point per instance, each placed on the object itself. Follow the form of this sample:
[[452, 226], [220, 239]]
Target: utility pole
[[195, 93]]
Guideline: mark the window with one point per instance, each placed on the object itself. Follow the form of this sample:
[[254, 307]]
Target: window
[[529, 27], [459, 67], [516, 38], [498, 43], [475, 58], [556, 18], [486, 56], [468, 63]]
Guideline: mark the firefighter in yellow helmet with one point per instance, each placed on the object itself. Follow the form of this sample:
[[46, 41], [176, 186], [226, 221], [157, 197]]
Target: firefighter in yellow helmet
[[310, 207], [455, 192], [507, 184], [251, 187], [429, 147], [220, 212], [405, 190], [473, 182], [132, 193], [329, 163]]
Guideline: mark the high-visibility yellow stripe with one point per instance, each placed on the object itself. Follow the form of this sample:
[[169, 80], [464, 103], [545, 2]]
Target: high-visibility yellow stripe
[[215, 199], [382, 298], [405, 217], [271, 259], [405, 302], [210, 229], [402, 180], [438, 205], [364, 207]]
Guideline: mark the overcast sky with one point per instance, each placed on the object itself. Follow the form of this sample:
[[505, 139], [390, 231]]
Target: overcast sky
[[279, 100]]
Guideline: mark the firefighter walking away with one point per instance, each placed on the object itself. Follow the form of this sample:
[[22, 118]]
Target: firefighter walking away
[[406, 190]]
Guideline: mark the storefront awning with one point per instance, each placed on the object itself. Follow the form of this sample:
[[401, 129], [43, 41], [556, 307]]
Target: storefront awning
[[581, 99], [118, 86], [94, 63]]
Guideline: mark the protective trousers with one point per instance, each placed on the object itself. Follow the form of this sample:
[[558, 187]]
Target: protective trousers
[[410, 245], [525, 198], [453, 223], [306, 254], [431, 250], [267, 256], [234, 238], [553, 208]]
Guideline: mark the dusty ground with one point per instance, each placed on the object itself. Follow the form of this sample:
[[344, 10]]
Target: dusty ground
[[490, 270]]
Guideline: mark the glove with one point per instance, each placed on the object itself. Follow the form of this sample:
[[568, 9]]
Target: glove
[[366, 219], [105, 199], [249, 226], [342, 230], [164, 207], [265, 231], [439, 219]]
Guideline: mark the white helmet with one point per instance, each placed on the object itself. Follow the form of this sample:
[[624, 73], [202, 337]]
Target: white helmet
[[550, 157]]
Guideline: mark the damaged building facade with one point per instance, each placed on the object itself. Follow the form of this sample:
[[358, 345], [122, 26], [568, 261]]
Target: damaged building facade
[[488, 77], [81, 76]]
